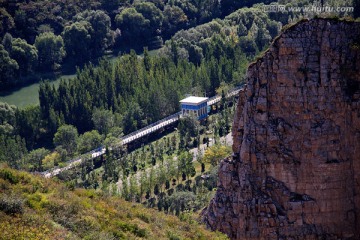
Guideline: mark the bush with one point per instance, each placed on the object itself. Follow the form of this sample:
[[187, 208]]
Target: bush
[[182, 201], [144, 217], [7, 174], [170, 192], [37, 201], [211, 180], [173, 236], [133, 228], [11, 204]]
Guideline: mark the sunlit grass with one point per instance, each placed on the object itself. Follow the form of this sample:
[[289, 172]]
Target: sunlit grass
[[48, 210]]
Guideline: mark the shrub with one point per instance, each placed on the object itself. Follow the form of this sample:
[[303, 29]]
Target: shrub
[[182, 201], [11, 204], [8, 174], [173, 236], [4, 185], [133, 228], [37, 201], [144, 217], [170, 192]]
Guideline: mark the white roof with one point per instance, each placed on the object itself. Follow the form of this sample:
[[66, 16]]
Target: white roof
[[194, 100]]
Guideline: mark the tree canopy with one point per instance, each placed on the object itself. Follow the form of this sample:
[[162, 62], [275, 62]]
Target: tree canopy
[[66, 137], [50, 50]]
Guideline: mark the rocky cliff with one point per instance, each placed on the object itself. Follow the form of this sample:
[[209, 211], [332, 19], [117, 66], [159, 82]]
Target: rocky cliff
[[295, 172]]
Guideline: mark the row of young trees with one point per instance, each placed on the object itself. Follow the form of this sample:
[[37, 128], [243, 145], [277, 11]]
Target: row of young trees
[[118, 163], [160, 174], [173, 184]]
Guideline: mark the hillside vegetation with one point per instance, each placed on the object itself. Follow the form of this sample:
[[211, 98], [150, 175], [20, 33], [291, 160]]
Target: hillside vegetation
[[109, 99], [42, 36], [35, 208]]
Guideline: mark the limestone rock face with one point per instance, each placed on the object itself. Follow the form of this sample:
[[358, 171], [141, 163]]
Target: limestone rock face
[[295, 172]]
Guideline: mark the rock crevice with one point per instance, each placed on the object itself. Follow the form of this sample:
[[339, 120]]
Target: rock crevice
[[295, 168]]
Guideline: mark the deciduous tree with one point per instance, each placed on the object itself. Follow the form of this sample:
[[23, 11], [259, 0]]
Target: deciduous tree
[[66, 136], [50, 51], [89, 141], [103, 120], [25, 55], [77, 40], [216, 153], [8, 67]]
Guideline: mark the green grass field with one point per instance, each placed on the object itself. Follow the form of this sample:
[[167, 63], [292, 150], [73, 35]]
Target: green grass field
[[27, 95]]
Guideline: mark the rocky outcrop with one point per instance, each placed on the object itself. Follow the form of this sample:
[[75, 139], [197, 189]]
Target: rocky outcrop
[[295, 172]]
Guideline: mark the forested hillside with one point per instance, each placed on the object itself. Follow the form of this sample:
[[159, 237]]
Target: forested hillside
[[43, 36], [115, 98]]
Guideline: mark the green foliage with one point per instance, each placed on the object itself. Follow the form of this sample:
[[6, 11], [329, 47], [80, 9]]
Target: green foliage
[[89, 141], [6, 21], [8, 67], [7, 114], [88, 33], [152, 173], [28, 121], [229, 6], [133, 228], [25, 55], [34, 159], [245, 31], [248, 45], [10, 176], [140, 93], [67, 137], [99, 32], [185, 164], [175, 19], [133, 118], [77, 40], [12, 150], [50, 160], [152, 13], [135, 26], [189, 125], [216, 153], [50, 50], [182, 201], [103, 120]]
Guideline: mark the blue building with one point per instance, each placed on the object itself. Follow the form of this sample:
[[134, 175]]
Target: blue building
[[196, 106]]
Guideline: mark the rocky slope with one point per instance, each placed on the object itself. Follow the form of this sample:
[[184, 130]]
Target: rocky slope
[[295, 172]]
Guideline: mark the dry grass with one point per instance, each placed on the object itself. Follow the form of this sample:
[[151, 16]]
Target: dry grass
[[51, 211]]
